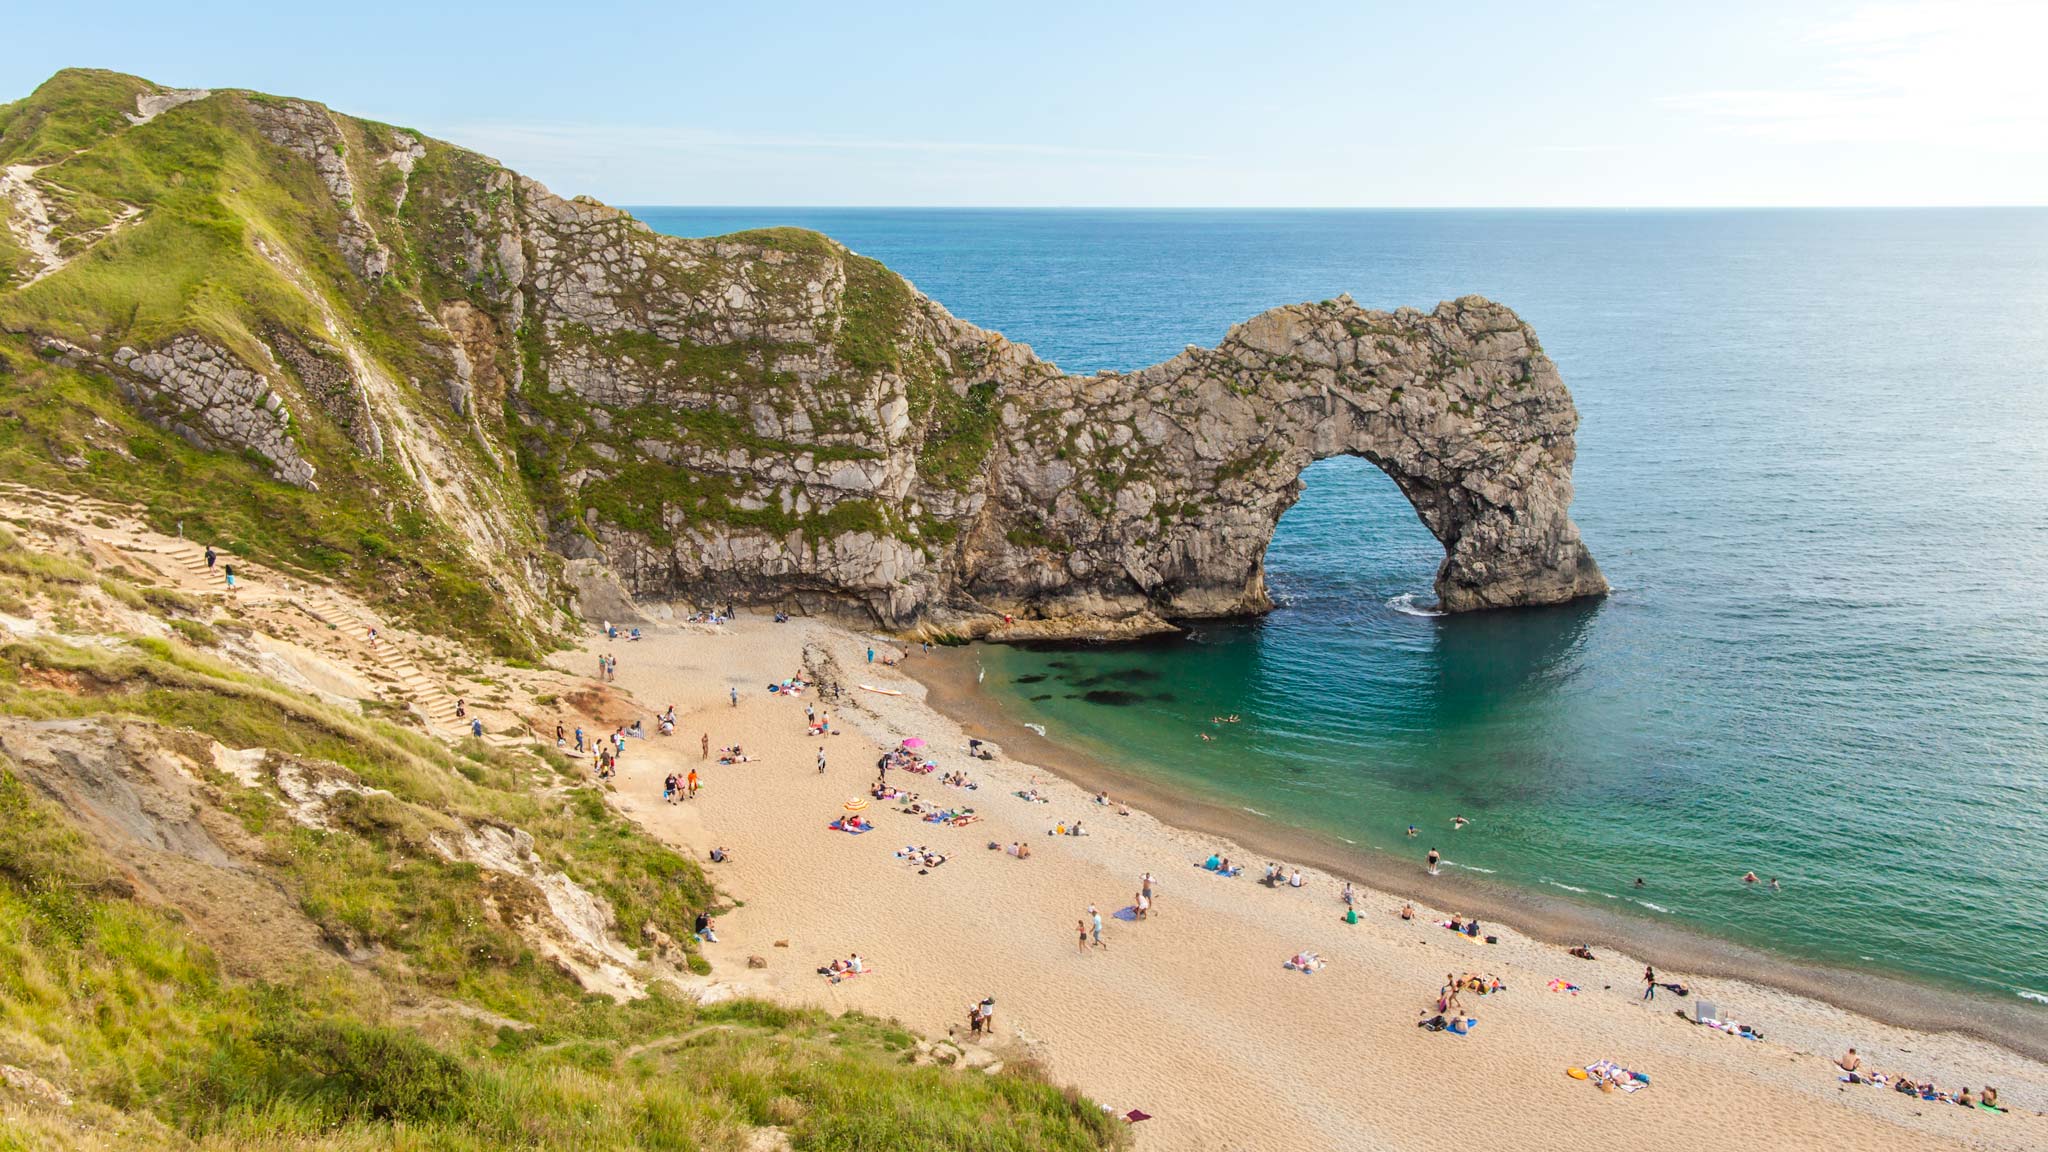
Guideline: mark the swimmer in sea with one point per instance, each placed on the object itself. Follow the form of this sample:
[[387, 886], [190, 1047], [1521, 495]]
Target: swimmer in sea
[[1459, 822], [1206, 736], [1749, 877], [1411, 829], [1639, 881], [1774, 884]]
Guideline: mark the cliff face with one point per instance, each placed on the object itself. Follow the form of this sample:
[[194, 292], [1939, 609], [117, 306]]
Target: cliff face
[[764, 417]]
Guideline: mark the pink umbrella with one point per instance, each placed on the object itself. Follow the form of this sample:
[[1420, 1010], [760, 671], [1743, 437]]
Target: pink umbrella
[[913, 742]]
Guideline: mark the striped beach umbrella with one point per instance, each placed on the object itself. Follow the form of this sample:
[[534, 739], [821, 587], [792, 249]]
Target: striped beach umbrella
[[856, 805]]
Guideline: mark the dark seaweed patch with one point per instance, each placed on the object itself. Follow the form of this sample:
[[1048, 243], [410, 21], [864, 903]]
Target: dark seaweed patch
[[1046, 696], [1034, 678], [1114, 697]]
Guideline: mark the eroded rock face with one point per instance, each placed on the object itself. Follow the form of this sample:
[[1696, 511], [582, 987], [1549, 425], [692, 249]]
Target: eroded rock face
[[1459, 406], [204, 394]]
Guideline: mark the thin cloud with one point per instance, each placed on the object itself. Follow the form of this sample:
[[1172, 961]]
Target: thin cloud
[[612, 139], [1964, 72]]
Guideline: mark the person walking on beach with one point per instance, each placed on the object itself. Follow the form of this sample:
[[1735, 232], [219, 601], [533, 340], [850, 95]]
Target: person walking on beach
[[704, 745], [735, 696], [871, 655], [1145, 890], [1649, 982], [1434, 856], [1081, 927], [228, 570], [691, 792], [1144, 904], [1096, 928], [821, 759]]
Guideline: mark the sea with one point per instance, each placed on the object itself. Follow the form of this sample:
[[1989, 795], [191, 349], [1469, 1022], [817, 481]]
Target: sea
[[1813, 462]]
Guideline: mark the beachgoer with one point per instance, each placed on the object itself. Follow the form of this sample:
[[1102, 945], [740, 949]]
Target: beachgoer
[[1407, 911], [1774, 884], [476, 728], [1639, 881], [735, 696], [210, 557], [1458, 822], [871, 655], [1649, 982], [693, 785], [1097, 927], [1351, 915], [1081, 926], [229, 572], [561, 736], [1349, 897], [1295, 880], [1850, 1062], [1749, 877], [1411, 830], [704, 928], [668, 788], [1144, 905], [461, 708], [1434, 856], [821, 759]]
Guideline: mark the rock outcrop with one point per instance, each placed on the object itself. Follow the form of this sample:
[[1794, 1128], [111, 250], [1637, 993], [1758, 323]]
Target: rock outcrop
[[768, 417], [204, 395]]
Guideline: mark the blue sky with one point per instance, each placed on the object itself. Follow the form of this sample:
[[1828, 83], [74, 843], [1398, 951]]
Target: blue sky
[[1314, 104]]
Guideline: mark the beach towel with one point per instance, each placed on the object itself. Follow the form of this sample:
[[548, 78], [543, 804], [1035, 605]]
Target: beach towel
[[1462, 1027], [1564, 986], [1607, 1071], [1127, 912], [1133, 1116]]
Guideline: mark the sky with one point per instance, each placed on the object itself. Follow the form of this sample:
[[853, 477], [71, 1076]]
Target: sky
[[1371, 103]]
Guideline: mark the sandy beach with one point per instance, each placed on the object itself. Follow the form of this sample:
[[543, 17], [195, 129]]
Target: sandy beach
[[1190, 1015]]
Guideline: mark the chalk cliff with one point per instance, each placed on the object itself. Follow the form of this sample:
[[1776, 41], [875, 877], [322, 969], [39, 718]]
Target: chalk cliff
[[764, 417]]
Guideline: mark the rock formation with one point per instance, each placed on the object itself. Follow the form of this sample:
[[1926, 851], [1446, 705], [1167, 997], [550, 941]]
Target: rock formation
[[764, 417]]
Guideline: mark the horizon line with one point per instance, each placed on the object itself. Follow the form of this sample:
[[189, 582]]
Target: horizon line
[[1339, 207]]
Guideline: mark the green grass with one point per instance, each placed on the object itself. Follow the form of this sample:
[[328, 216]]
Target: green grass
[[149, 1023]]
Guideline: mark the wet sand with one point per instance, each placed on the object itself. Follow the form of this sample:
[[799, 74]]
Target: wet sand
[[949, 677]]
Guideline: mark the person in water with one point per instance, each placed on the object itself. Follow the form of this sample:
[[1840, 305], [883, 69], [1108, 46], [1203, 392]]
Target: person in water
[[1434, 856], [1411, 830], [1749, 877]]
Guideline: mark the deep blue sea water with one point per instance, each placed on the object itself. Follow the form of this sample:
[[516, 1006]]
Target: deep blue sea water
[[1813, 460]]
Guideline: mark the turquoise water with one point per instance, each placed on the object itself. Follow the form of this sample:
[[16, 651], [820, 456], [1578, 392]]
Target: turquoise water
[[1814, 463]]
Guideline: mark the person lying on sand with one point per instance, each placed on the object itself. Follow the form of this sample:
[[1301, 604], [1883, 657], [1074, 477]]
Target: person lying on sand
[[1582, 952]]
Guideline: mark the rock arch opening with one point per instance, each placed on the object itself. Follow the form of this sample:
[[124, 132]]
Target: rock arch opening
[[1351, 534]]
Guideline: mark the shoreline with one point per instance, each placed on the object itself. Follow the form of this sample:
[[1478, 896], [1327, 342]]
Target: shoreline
[[951, 690]]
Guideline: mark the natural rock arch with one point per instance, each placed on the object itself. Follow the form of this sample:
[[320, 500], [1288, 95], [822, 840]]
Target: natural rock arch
[[1204, 454]]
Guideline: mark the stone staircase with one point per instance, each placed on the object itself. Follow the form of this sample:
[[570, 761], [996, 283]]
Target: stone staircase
[[184, 562], [429, 700]]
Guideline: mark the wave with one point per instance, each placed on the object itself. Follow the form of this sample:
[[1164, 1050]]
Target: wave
[[1406, 605], [1038, 728], [1469, 867], [1566, 887], [2030, 994], [1652, 907], [1250, 809]]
